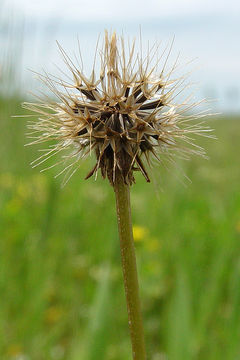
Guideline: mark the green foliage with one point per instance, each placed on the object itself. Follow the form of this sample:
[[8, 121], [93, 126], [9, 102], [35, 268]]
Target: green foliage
[[60, 276]]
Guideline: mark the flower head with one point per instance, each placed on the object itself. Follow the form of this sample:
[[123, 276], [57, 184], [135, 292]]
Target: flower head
[[126, 117]]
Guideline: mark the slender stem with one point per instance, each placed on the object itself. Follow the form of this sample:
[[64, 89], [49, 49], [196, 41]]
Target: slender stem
[[129, 268]]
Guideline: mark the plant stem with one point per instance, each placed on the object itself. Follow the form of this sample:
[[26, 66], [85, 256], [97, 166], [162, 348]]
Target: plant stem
[[129, 268]]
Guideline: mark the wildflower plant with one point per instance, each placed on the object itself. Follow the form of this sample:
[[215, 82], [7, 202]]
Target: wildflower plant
[[125, 118]]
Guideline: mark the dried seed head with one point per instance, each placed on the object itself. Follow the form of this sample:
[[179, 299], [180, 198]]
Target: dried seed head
[[126, 117]]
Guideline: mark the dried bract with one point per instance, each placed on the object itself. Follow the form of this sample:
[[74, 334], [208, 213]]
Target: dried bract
[[126, 117]]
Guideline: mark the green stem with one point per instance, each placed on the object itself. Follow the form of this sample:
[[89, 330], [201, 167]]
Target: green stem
[[129, 268]]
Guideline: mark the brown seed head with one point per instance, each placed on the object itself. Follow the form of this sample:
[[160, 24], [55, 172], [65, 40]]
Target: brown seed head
[[125, 117]]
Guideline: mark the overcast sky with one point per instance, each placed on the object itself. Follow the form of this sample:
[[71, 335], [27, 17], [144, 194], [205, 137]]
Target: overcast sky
[[87, 10], [208, 30]]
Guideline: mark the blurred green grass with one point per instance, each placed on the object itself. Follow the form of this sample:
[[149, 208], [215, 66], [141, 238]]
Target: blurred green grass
[[60, 276]]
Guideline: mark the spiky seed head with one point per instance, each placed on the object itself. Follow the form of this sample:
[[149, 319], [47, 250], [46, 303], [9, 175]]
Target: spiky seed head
[[126, 117]]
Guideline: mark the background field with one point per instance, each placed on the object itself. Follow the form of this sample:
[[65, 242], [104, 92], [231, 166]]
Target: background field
[[60, 277]]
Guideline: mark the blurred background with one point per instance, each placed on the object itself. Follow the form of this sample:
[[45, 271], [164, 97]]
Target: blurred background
[[60, 277]]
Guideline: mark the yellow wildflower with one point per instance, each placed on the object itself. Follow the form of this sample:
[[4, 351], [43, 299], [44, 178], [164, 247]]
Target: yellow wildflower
[[139, 233]]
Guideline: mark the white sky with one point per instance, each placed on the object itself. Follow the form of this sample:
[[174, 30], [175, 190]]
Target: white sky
[[87, 10], [205, 29]]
